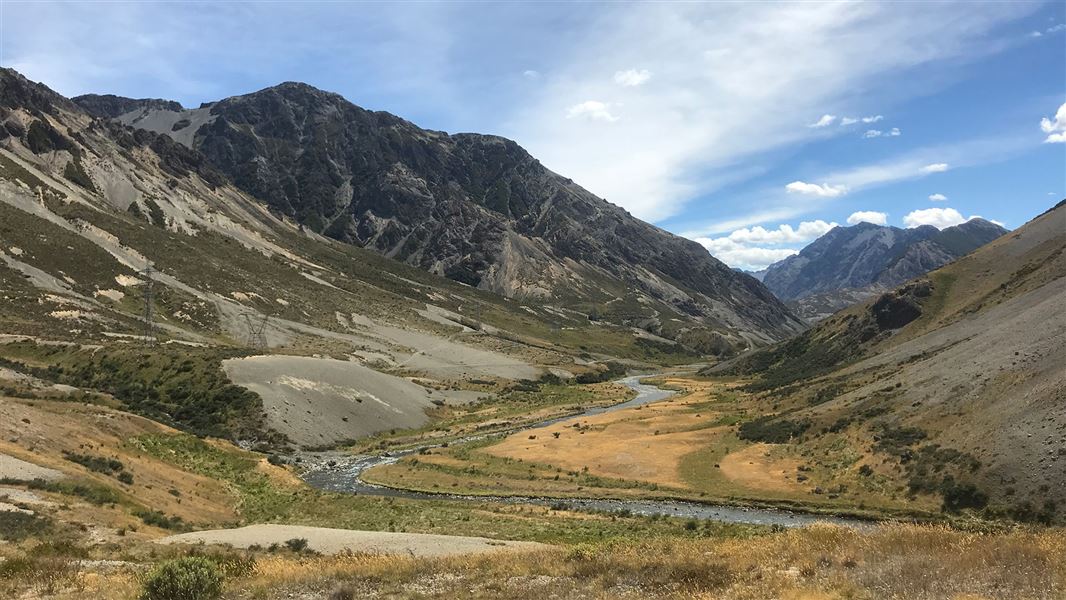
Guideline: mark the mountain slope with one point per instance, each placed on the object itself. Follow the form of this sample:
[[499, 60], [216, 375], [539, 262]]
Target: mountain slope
[[957, 378], [86, 204], [849, 264], [474, 208]]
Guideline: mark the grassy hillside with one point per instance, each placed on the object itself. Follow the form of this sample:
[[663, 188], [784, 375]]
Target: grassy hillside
[[953, 381]]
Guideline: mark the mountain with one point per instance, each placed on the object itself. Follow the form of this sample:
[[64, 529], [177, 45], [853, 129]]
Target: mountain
[[477, 209], [849, 264], [86, 204], [954, 379]]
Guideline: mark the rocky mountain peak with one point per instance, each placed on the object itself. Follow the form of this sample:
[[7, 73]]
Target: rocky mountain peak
[[476, 208], [848, 264], [111, 106]]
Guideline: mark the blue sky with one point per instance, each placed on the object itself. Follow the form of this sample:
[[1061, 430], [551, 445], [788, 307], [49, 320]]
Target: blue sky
[[736, 124]]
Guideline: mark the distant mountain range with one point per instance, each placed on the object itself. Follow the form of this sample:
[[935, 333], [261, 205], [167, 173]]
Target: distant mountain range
[[475, 208], [850, 264]]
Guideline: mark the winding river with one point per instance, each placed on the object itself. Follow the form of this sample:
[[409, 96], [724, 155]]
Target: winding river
[[336, 472]]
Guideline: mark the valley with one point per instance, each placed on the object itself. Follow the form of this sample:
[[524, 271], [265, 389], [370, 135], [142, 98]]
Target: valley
[[319, 352]]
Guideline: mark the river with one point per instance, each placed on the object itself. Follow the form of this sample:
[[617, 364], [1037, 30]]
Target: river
[[336, 472]]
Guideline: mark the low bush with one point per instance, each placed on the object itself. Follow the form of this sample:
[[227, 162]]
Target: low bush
[[158, 519], [772, 430], [190, 578], [17, 526]]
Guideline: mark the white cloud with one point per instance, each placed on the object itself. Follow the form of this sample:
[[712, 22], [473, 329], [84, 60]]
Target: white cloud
[[825, 121], [874, 133], [1057, 28], [746, 248], [632, 77], [813, 189], [935, 168], [784, 234], [709, 112], [531, 74], [1056, 129], [938, 197], [845, 121], [593, 110], [744, 257], [937, 217], [868, 216]]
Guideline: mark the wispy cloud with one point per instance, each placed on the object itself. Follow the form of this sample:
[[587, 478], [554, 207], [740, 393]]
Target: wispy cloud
[[813, 189], [935, 168], [772, 66], [593, 110], [775, 206], [825, 121], [632, 77], [938, 197], [876, 133]]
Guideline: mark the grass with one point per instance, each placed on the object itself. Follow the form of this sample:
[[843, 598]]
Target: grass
[[899, 562], [262, 498], [508, 410], [692, 434]]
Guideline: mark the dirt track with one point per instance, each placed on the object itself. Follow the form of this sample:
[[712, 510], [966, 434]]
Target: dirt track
[[335, 541]]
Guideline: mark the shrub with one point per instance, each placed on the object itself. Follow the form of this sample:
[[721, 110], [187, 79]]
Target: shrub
[[296, 544], [767, 429], [17, 526], [613, 371], [99, 464], [190, 578], [158, 519], [75, 172], [91, 492]]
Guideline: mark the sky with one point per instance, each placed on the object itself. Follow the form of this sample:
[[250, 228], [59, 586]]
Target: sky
[[752, 128]]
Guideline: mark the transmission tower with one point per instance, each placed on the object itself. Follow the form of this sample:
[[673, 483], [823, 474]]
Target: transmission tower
[[149, 324], [256, 325]]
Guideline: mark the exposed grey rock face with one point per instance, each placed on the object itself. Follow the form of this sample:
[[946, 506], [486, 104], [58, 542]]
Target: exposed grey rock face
[[850, 264], [475, 208], [111, 106]]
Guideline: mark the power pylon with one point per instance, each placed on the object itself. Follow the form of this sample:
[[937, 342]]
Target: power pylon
[[149, 324], [256, 325]]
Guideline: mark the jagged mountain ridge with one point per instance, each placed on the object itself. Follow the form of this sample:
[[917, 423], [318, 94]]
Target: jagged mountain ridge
[[849, 264], [475, 208]]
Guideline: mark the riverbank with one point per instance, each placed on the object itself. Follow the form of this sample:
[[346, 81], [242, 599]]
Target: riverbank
[[346, 474]]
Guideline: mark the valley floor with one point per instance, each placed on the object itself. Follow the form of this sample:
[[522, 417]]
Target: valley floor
[[685, 447], [95, 534]]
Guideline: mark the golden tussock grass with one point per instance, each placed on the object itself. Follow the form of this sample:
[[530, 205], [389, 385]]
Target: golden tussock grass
[[889, 562]]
